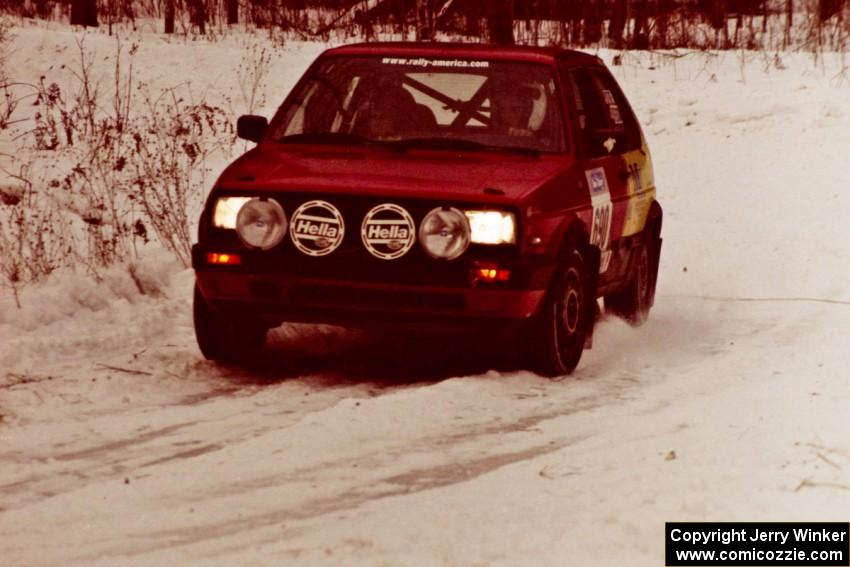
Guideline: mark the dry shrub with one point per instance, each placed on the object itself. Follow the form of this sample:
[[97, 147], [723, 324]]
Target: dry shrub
[[34, 241], [110, 166], [252, 72], [171, 144]]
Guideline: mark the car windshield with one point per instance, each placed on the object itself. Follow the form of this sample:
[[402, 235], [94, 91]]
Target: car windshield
[[425, 103]]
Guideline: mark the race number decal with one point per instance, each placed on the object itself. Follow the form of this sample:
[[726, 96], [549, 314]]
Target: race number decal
[[600, 199]]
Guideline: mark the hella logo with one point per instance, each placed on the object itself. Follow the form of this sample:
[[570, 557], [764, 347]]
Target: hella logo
[[316, 228], [388, 232]]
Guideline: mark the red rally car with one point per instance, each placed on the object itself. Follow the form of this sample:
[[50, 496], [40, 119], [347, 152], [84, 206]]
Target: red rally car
[[445, 186]]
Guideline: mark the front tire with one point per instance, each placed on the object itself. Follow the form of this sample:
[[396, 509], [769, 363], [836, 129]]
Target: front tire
[[565, 320], [222, 337]]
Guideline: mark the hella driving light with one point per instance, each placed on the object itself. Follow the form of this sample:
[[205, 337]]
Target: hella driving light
[[444, 233], [261, 223], [226, 209], [492, 227]]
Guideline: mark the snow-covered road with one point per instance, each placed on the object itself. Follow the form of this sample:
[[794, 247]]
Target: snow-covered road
[[120, 445], [184, 462]]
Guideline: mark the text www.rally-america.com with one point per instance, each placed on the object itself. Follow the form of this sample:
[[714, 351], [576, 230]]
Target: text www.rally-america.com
[[444, 63]]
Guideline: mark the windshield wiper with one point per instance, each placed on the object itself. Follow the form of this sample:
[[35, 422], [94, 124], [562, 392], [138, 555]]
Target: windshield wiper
[[334, 139], [462, 144]]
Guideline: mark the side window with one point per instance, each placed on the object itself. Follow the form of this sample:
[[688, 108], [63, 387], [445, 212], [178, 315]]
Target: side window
[[606, 124], [612, 90]]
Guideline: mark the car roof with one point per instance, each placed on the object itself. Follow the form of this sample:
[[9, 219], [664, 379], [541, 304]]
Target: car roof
[[467, 51]]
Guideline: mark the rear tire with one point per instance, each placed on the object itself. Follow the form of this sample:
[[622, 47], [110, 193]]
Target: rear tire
[[225, 338], [632, 304], [565, 320], [635, 301]]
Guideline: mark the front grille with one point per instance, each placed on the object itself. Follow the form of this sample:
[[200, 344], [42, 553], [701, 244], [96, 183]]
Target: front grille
[[332, 296], [352, 261]]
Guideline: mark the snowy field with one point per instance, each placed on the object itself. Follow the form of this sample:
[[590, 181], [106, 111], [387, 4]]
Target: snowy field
[[120, 445]]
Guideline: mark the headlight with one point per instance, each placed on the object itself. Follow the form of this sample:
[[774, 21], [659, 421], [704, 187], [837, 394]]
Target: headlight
[[444, 233], [226, 209], [261, 223], [492, 227]]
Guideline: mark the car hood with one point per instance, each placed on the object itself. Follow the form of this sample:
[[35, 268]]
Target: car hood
[[499, 176]]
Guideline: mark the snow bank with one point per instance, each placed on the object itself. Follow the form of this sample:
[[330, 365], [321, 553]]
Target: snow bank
[[75, 315]]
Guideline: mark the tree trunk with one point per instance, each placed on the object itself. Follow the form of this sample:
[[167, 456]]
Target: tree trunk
[[472, 18], [717, 17], [500, 22], [42, 8], [739, 21], [424, 21], [258, 13], [619, 16], [640, 36], [198, 15], [717, 14], [232, 12], [84, 13], [127, 9], [169, 16], [828, 8], [592, 25], [789, 21], [662, 19], [764, 15]]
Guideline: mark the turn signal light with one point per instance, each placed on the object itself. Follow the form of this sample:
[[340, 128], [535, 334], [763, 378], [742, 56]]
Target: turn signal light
[[490, 274], [493, 275], [224, 259]]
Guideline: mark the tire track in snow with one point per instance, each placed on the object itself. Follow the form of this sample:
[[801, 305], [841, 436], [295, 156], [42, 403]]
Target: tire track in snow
[[459, 456]]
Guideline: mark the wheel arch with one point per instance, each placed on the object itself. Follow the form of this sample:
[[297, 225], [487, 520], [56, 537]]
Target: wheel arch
[[577, 237], [655, 218], [654, 223]]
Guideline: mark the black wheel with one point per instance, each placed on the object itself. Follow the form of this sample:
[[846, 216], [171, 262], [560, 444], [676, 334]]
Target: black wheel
[[565, 320], [225, 338], [634, 302]]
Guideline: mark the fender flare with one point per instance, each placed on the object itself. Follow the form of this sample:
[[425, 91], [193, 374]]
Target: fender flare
[[655, 219], [577, 237], [654, 222]]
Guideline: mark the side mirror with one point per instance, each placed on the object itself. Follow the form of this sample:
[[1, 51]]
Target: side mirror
[[251, 127]]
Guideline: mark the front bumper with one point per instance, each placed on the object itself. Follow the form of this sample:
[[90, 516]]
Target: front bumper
[[276, 296]]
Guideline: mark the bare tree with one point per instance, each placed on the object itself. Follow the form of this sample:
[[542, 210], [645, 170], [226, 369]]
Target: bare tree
[[84, 13], [829, 8], [232, 12], [198, 14], [662, 21], [472, 18], [789, 21], [592, 28], [617, 25], [42, 8], [500, 21], [169, 16], [621, 24], [424, 20], [717, 13]]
